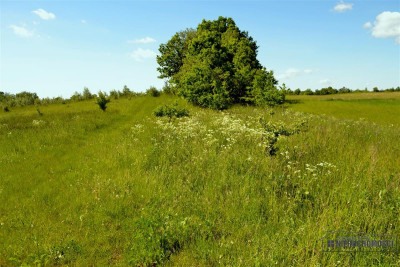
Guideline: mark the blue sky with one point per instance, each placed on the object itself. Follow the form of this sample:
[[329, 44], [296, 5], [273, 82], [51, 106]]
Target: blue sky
[[55, 48]]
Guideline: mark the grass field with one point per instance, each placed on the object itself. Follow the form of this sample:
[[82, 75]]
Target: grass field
[[83, 187], [381, 108]]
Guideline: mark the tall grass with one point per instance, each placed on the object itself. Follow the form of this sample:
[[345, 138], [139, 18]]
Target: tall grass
[[85, 187]]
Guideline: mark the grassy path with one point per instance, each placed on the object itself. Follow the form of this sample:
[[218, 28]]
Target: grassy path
[[48, 181]]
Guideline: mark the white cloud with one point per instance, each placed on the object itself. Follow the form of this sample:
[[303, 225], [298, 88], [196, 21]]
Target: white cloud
[[308, 71], [83, 21], [292, 72], [289, 73], [43, 14], [141, 54], [35, 22], [21, 31], [387, 25], [367, 25], [325, 81], [341, 7], [145, 40]]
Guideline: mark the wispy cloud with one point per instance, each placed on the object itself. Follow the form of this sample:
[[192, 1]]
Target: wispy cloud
[[308, 71], [21, 31], [342, 7], [146, 40], [325, 81], [83, 21], [292, 72], [43, 14], [386, 25], [142, 54], [367, 25]]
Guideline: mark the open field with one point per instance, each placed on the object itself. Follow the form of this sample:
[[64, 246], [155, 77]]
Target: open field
[[381, 108], [83, 187]]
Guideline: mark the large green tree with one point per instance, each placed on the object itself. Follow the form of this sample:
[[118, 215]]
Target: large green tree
[[216, 65]]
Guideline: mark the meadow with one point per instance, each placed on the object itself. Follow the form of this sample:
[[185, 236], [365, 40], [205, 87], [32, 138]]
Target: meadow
[[381, 108], [82, 187]]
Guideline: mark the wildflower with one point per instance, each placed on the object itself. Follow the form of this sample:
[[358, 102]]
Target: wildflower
[[38, 122]]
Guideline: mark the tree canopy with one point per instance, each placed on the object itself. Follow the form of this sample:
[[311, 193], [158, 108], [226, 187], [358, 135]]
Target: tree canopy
[[216, 65]]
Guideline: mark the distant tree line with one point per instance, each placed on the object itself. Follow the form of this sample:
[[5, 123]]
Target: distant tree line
[[331, 91], [24, 98]]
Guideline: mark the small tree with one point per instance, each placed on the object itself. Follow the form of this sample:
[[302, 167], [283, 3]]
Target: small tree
[[126, 91], [102, 100], [86, 94]]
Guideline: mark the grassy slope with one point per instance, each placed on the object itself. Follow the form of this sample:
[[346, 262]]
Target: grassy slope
[[87, 187]]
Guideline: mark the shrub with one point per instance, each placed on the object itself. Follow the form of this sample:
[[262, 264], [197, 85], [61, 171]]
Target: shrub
[[115, 94], [152, 91], [167, 89], [171, 111], [272, 131], [102, 100], [76, 97]]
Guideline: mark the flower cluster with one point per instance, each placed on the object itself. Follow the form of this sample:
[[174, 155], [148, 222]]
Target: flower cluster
[[314, 171], [38, 122], [222, 130]]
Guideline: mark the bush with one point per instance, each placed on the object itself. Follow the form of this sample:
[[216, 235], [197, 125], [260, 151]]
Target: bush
[[102, 100], [115, 94], [263, 91], [167, 89], [272, 131], [152, 91], [76, 97], [171, 111], [6, 109]]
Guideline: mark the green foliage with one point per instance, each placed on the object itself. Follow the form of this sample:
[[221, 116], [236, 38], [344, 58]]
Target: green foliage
[[173, 53], [21, 99], [152, 91], [273, 130], [171, 111], [102, 100], [167, 89], [6, 109], [126, 91], [76, 97], [263, 91], [86, 95], [114, 94], [332, 91], [216, 66]]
